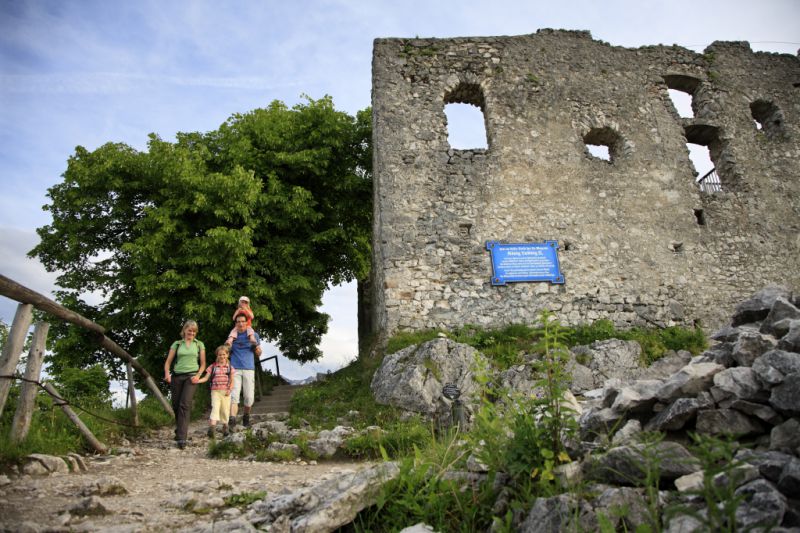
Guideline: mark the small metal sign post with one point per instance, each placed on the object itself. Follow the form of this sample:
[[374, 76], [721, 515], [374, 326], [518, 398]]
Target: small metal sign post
[[534, 261]]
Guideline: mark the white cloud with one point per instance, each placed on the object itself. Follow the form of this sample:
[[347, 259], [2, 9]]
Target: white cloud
[[14, 264]]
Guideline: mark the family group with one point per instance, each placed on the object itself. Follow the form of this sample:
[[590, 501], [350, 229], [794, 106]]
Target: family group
[[232, 375]]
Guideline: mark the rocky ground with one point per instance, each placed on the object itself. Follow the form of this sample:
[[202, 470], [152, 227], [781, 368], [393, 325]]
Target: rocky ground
[[152, 487]]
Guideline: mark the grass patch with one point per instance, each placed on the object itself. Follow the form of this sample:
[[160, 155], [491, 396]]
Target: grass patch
[[327, 403], [243, 499]]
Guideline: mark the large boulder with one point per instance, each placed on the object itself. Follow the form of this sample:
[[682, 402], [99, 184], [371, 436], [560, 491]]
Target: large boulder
[[413, 378], [326, 506], [612, 358], [781, 313], [758, 306]]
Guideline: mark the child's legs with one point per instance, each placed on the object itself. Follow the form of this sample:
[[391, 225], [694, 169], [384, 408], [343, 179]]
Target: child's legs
[[216, 407], [224, 407], [231, 337]]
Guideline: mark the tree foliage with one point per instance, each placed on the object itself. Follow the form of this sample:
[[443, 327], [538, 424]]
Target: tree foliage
[[275, 204]]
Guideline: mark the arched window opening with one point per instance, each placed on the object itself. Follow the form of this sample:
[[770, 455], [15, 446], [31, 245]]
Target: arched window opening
[[466, 127], [465, 120], [681, 91], [767, 117], [603, 144]]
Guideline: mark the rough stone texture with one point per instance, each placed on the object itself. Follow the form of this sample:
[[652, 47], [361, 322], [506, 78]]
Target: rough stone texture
[[780, 316], [791, 341], [689, 381], [675, 415], [625, 464], [611, 358], [773, 366], [750, 345], [757, 307], [326, 506], [763, 505], [786, 396], [726, 422], [559, 513], [738, 382], [41, 464], [786, 437], [412, 379], [640, 243], [789, 480]]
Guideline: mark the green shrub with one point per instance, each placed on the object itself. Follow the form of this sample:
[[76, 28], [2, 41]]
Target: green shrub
[[404, 339]]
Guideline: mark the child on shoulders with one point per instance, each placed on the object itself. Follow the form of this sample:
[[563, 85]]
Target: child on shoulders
[[244, 310]]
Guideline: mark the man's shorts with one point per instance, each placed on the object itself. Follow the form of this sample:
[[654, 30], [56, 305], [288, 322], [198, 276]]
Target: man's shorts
[[244, 379]]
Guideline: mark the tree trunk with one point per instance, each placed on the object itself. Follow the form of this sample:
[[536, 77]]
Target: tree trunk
[[13, 349], [15, 291], [27, 395]]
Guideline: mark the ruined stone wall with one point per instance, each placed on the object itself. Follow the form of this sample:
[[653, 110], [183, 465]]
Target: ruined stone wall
[[640, 242]]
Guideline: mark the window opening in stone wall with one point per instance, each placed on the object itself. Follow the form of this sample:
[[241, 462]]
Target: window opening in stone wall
[[706, 176], [603, 144], [700, 216], [705, 152], [682, 102], [767, 117], [599, 151], [465, 127], [465, 109], [681, 91]]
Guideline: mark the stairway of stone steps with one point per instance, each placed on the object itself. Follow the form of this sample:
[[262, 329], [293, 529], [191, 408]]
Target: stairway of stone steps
[[277, 401]]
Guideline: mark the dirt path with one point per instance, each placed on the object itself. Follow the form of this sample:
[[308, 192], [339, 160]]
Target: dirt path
[[167, 488]]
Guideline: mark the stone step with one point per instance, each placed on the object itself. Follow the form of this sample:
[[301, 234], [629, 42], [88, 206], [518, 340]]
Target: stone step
[[278, 400]]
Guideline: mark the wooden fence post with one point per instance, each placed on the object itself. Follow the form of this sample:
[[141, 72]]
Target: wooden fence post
[[13, 349], [20, 293], [85, 431], [132, 395], [27, 395]]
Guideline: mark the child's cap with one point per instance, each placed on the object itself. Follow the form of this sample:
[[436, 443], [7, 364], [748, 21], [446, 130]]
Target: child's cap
[[244, 299]]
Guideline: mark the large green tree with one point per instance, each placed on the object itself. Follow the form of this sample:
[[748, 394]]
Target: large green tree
[[275, 204]]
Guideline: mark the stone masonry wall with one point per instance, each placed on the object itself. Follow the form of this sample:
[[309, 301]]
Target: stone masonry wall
[[639, 241]]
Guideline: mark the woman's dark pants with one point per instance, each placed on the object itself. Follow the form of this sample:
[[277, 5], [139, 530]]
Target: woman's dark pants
[[182, 390]]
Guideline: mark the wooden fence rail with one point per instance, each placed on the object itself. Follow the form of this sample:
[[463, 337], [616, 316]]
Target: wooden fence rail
[[22, 294]]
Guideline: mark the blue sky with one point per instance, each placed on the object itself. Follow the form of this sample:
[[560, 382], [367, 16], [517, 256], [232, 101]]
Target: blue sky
[[92, 71]]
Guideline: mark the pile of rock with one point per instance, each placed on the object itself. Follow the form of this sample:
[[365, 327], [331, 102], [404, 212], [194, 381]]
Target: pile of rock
[[746, 386]]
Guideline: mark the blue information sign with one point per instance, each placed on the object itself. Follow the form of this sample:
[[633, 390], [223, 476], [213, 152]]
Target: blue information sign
[[534, 261]]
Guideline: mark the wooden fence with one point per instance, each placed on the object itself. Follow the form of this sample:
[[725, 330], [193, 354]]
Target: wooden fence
[[28, 300]]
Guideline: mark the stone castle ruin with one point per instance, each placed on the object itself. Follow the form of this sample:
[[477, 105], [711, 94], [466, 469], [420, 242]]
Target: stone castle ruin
[[640, 240]]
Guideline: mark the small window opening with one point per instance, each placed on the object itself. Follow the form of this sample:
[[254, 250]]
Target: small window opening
[[682, 102], [465, 126], [464, 115], [567, 246], [700, 216], [681, 91], [768, 117], [599, 151], [603, 144]]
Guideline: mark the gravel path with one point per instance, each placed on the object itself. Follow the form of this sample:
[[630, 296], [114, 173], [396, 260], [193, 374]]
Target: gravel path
[[165, 488]]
